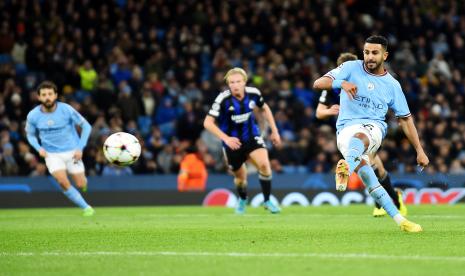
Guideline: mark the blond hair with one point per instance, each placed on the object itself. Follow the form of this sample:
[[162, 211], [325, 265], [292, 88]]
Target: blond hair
[[235, 70], [345, 57]]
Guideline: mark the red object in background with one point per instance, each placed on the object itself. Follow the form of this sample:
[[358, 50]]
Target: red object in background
[[355, 183], [193, 174], [20, 28]]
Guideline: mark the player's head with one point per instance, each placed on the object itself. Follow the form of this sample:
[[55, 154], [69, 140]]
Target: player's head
[[375, 52], [236, 79], [343, 57], [48, 93]]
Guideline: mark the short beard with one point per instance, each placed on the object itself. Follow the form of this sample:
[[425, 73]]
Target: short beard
[[378, 65], [49, 106]]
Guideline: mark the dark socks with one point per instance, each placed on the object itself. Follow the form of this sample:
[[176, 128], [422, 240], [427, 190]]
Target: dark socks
[[242, 191], [265, 182]]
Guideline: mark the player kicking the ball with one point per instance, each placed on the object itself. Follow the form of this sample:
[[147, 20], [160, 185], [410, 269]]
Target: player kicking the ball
[[328, 106], [369, 91]]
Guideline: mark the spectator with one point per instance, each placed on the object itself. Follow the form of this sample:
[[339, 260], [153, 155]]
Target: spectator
[[192, 174], [168, 65], [88, 76]]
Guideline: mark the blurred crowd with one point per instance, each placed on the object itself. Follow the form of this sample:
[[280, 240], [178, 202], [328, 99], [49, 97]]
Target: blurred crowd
[[153, 68]]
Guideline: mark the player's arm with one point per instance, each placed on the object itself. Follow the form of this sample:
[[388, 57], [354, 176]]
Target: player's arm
[[324, 110], [407, 125], [210, 125], [274, 136], [31, 136], [323, 83], [86, 128], [335, 79], [402, 112], [262, 124], [327, 83]]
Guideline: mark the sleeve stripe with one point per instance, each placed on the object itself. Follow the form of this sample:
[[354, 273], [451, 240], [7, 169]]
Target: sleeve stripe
[[219, 99], [213, 113], [404, 116], [329, 76], [252, 90]]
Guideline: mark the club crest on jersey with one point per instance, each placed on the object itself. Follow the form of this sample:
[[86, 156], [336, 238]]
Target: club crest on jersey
[[231, 108], [252, 104], [370, 86], [50, 122]]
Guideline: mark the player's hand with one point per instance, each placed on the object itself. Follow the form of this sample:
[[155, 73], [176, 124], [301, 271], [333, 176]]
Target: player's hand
[[42, 153], [233, 143], [275, 139], [77, 155], [333, 110], [349, 88], [422, 159]]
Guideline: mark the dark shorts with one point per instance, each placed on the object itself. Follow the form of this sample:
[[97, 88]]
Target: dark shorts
[[235, 158]]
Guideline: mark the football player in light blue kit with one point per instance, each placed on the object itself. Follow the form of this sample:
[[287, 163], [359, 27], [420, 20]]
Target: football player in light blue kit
[[55, 124], [370, 91]]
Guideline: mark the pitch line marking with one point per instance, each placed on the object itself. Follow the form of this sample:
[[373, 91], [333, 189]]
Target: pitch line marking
[[241, 254]]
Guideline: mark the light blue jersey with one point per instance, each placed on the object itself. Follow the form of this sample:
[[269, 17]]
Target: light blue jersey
[[375, 94], [57, 130]]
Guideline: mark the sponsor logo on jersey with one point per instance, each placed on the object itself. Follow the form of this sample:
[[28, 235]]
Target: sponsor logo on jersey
[[238, 119]]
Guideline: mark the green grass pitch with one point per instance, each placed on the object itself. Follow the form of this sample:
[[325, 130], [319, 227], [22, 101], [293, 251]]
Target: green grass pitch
[[213, 241]]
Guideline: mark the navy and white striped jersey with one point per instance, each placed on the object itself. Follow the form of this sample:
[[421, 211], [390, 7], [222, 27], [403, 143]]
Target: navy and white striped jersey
[[235, 117], [329, 97]]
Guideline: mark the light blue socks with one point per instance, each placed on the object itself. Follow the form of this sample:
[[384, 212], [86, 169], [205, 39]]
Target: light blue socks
[[377, 191], [76, 197], [354, 154]]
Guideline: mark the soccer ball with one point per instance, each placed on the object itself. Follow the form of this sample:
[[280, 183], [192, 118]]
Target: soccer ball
[[121, 149]]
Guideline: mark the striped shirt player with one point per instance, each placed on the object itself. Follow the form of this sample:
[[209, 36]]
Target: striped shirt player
[[236, 118], [329, 97], [232, 119]]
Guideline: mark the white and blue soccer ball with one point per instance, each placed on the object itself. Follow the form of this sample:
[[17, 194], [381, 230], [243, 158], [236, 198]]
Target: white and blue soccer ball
[[121, 149]]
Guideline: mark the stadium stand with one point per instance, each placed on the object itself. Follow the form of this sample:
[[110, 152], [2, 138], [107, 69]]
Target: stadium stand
[[152, 68]]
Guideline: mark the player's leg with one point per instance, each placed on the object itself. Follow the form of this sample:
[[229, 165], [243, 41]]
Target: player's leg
[[380, 195], [378, 211], [352, 144], [259, 158], [235, 160], [68, 190], [240, 181], [57, 166], [355, 150], [77, 171], [80, 180], [385, 181]]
